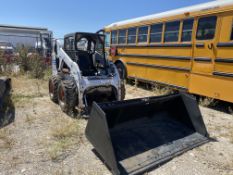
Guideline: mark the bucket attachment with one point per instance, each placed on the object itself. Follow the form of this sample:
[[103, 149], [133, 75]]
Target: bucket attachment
[[136, 135], [7, 109]]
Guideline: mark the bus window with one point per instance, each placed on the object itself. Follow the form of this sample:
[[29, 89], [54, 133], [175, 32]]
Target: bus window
[[206, 28], [107, 39], [156, 33], [142, 34], [122, 37], [114, 37], [131, 35], [187, 30], [172, 31], [232, 32]]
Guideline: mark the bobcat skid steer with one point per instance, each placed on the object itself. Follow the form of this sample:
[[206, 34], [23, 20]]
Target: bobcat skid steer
[[82, 74]]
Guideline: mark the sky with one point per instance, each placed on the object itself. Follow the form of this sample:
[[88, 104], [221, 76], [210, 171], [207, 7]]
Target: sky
[[66, 16]]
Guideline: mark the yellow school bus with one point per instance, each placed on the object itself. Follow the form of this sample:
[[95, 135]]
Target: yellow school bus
[[189, 48]]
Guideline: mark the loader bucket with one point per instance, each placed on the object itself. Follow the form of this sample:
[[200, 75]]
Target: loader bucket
[[136, 135], [7, 109]]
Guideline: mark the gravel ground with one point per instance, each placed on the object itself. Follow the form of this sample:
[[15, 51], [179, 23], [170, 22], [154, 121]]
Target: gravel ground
[[43, 140]]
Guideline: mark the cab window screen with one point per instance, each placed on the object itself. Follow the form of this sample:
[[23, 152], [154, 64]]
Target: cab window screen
[[114, 37], [206, 28], [131, 35], [156, 33], [122, 37], [232, 32], [67, 44], [172, 31], [187, 30], [142, 34]]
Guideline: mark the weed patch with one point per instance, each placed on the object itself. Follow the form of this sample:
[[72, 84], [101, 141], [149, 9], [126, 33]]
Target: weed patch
[[65, 135], [207, 102]]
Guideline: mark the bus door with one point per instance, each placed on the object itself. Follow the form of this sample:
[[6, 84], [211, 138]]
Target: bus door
[[204, 51], [223, 67], [201, 80]]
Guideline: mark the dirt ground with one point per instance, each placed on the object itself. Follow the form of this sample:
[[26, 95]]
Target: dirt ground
[[43, 140]]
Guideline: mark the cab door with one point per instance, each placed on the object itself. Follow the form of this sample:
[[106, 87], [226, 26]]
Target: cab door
[[204, 51]]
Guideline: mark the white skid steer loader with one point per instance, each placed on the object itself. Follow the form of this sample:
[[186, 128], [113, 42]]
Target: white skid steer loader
[[81, 74]]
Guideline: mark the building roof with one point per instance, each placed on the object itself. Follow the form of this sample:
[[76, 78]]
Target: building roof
[[10, 30], [22, 27], [199, 7]]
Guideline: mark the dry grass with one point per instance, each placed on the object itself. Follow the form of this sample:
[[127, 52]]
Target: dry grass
[[6, 142], [57, 149], [226, 132], [65, 135], [20, 98], [24, 84], [15, 161], [60, 172], [65, 129], [155, 88], [207, 102], [161, 90], [29, 119], [231, 135], [25, 90]]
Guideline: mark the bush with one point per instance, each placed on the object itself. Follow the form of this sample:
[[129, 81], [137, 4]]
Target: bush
[[31, 63], [23, 59], [6, 64], [37, 66]]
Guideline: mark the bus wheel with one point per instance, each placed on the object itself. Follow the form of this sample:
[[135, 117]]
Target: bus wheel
[[121, 70]]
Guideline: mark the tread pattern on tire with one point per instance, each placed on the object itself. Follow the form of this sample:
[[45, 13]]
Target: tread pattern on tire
[[123, 70], [55, 79], [70, 95], [123, 90]]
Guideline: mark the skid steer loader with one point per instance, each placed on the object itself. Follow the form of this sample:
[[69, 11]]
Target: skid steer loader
[[134, 136], [82, 74]]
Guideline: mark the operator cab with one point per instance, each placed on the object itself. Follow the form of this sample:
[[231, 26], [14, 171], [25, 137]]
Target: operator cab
[[87, 50]]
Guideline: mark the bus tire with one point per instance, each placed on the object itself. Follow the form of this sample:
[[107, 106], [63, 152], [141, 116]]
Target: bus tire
[[121, 70]]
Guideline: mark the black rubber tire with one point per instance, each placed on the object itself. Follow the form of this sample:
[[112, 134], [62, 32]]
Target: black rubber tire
[[121, 70], [53, 87], [123, 90], [68, 100]]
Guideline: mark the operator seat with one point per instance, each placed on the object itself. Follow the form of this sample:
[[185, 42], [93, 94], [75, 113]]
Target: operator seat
[[85, 63]]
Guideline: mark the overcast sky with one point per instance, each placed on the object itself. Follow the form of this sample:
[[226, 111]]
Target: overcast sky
[[65, 16]]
